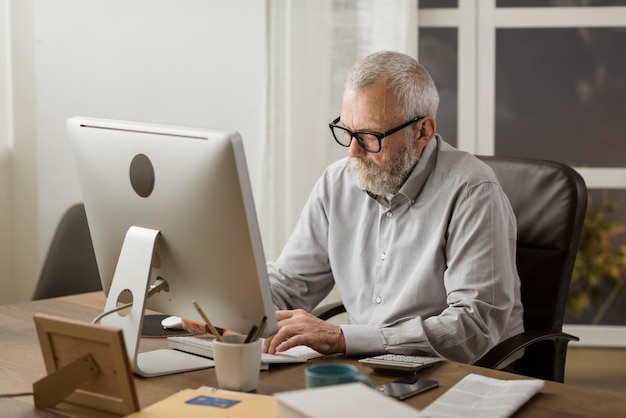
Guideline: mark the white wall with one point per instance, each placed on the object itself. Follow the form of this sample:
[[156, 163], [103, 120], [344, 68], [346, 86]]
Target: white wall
[[192, 62]]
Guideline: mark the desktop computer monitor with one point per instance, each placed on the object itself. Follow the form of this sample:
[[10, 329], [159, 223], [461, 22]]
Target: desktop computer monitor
[[189, 187]]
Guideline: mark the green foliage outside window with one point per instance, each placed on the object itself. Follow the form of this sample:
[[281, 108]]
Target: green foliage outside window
[[600, 264]]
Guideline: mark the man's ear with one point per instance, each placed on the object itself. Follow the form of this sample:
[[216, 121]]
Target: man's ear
[[428, 127]]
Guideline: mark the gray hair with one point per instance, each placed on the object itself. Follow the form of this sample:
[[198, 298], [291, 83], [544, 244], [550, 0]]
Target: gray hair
[[414, 88]]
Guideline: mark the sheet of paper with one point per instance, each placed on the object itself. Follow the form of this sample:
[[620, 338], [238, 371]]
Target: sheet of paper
[[481, 396]]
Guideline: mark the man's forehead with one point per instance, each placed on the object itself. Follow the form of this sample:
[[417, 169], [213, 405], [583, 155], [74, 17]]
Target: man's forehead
[[366, 108]]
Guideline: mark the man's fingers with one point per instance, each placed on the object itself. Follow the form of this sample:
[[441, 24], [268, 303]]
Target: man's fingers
[[296, 340], [282, 315], [277, 339]]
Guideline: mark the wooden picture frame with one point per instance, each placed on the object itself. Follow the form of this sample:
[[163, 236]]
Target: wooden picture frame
[[87, 367]]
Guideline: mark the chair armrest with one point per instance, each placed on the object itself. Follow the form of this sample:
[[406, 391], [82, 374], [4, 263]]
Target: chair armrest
[[328, 310], [498, 355]]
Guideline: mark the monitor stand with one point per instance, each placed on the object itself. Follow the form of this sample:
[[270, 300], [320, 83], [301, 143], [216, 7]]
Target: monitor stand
[[133, 274]]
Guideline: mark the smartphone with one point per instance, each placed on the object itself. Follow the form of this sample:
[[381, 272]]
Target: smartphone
[[407, 387]]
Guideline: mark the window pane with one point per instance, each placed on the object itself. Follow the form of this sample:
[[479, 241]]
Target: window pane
[[559, 3], [437, 4], [438, 52], [561, 95], [615, 313]]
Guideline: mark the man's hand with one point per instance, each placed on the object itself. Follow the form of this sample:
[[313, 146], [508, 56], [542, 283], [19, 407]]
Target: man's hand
[[194, 327], [298, 327], [198, 328]]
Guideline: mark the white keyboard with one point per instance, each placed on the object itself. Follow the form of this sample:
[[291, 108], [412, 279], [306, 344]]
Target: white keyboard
[[203, 346], [399, 362]]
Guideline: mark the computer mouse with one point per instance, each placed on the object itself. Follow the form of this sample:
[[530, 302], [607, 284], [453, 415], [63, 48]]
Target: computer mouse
[[172, 322]]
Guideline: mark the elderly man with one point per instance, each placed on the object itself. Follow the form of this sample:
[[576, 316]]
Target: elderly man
[[417, 236]]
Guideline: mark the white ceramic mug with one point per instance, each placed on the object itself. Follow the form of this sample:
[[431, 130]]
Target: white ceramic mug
[[237, 365]]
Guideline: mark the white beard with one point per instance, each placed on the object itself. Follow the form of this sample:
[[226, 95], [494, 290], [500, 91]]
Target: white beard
[[368, 176]]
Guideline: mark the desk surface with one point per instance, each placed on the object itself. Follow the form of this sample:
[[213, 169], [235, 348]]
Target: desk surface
[[21, 364]]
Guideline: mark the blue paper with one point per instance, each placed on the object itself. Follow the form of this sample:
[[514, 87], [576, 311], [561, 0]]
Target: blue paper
[[212, 401]]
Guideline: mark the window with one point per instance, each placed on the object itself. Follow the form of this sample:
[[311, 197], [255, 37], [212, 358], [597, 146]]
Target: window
[[538, 79]]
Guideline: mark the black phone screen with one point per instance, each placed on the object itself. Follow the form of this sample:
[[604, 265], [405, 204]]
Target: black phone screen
[[406, 387]]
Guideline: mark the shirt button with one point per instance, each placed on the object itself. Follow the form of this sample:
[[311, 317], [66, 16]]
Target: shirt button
[[383, 256], [379, 300], [389, 214]]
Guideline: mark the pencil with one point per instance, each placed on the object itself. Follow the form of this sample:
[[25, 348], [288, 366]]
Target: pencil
[[206, 320]]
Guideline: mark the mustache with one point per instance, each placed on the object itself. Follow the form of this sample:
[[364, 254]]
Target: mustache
[[383, 180], [361, 163]]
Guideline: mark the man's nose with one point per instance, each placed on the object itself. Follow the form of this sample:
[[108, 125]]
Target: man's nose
[[355, 150]]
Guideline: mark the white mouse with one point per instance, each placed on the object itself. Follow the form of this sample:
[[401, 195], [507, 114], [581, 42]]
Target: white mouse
[[172, 322]]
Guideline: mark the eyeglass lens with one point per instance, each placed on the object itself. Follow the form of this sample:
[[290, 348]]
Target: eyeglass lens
[[367, 141]]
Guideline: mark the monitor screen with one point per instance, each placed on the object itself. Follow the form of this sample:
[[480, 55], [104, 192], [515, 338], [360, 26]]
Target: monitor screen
[[192, 186]]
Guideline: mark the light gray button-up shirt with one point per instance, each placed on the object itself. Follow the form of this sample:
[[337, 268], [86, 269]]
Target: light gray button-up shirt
[[430, 271]]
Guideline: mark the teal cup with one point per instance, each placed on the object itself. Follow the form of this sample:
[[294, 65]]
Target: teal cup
[[327, 374]]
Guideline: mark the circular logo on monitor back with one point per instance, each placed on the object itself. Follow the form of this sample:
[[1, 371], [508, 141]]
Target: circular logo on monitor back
[[141, 175]]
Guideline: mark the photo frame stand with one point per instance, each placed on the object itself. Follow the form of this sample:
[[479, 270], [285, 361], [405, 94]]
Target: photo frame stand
[[88, 371]]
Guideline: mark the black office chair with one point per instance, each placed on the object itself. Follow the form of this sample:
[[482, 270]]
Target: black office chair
[[70, 266], [549, 200]]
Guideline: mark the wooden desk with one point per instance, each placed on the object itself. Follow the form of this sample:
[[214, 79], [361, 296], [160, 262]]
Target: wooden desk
[[21, 364]]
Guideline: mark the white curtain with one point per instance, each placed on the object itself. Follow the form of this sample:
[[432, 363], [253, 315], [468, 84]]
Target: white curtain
[[312, 44], [6, 226]]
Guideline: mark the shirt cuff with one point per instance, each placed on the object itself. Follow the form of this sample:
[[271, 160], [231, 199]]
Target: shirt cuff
[[363, 339]]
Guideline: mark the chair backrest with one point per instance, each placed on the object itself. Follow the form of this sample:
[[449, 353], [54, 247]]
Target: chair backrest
[[549, 200], [70, 265]]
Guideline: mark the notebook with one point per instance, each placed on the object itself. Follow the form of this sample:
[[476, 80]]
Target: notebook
[[208, 402], [346, 400]]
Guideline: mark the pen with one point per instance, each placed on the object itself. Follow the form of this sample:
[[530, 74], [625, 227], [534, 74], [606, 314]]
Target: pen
[[260, 328], [208, 323], [250, 334]]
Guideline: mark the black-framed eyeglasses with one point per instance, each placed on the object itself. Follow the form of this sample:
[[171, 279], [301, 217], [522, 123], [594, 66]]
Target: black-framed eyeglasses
[[368, 140]]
